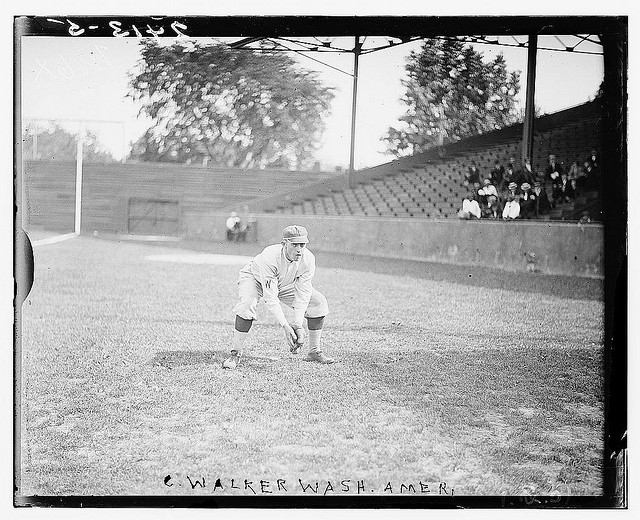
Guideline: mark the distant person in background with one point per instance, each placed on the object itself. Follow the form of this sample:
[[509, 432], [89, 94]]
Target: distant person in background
[[564, 191], [512, 190], [493, 209], [527, 202], [497, 175], [542, 204], [528, 171], [487, 190], [553, 171], [511, 208], [508, 177], [470, 207], [592, 171], [234, 227], [574, 174], [588, 180], [524, 174], [473, 176], [581, 177], [594, 159], [574, 171]]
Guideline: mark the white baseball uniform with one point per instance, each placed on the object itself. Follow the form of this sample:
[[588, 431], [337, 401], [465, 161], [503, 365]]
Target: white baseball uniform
[[270, 275]]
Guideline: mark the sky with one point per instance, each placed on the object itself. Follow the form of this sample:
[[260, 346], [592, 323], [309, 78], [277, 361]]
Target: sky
[[68, 79]]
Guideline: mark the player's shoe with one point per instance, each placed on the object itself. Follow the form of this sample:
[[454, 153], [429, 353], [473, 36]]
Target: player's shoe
[[295, 348], [319, 357], [232, 361]]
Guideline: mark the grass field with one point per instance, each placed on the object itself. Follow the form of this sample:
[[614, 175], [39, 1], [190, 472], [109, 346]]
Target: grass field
[[491, 389]]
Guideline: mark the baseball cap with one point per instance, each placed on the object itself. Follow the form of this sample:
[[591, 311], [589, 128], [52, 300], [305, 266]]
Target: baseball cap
[[295, 235], [525, 186], [512, 186]]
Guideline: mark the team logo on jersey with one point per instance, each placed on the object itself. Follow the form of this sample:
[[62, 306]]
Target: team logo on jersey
[[268, 283]]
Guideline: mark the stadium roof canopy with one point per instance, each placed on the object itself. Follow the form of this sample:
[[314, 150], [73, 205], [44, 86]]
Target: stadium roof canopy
[[577, 43], [361, 45]]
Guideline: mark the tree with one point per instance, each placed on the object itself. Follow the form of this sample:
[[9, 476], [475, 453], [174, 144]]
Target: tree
[[56, 143], [239, 108], [451, 93]]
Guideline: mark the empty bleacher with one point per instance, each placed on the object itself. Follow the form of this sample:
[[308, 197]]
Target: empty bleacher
[[107, 188]]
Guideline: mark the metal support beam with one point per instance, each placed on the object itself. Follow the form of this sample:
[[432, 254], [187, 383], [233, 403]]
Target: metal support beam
[[356, 54], [530, 111], [79, 152]]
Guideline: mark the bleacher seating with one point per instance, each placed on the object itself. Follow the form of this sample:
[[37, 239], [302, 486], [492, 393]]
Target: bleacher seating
[[50, 189], [435, 188]]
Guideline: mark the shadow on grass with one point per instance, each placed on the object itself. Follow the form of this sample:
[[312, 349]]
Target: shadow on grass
[[179, 358]]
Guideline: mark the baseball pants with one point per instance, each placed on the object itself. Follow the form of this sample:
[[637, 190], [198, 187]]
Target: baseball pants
[[250, 292]]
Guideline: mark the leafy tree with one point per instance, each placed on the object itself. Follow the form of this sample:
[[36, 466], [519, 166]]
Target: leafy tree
[[56, 143], [451, 93], [239, 108]]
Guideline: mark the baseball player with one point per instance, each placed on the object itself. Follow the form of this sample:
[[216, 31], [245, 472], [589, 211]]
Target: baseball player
[[282, 273]]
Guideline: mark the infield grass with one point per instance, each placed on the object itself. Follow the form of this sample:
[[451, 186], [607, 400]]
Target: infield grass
[[492, 391]]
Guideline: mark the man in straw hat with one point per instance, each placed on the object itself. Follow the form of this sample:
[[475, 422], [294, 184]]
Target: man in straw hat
[[282, 273]]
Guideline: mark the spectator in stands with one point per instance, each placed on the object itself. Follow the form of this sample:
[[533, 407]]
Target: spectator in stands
[[594, 159], [493, 209], [527, 202], [470, 207], [473, 176], [553, 171], [574, 171], [592, 171], [580, 176], [513, 190], [587, 178], [234, 227], [542, 204], [573, 175], [485, 192], [497, 174], [564, 191], [525, 174], [508, 177], [511, 209]]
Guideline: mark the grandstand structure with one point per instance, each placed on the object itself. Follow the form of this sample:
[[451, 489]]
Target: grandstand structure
[[151, 198], [430, 185], [145, 198]]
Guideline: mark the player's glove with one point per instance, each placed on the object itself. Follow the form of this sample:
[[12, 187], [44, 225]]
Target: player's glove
[[300, 339]]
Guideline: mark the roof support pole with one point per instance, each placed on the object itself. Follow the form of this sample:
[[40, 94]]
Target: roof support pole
[[356, 54], [529, 111], [615, 173]]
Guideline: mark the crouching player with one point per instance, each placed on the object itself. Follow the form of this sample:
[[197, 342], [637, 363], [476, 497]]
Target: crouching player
[[282, 273]]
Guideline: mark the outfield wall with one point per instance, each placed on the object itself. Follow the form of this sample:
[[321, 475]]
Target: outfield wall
[[548, 247]]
